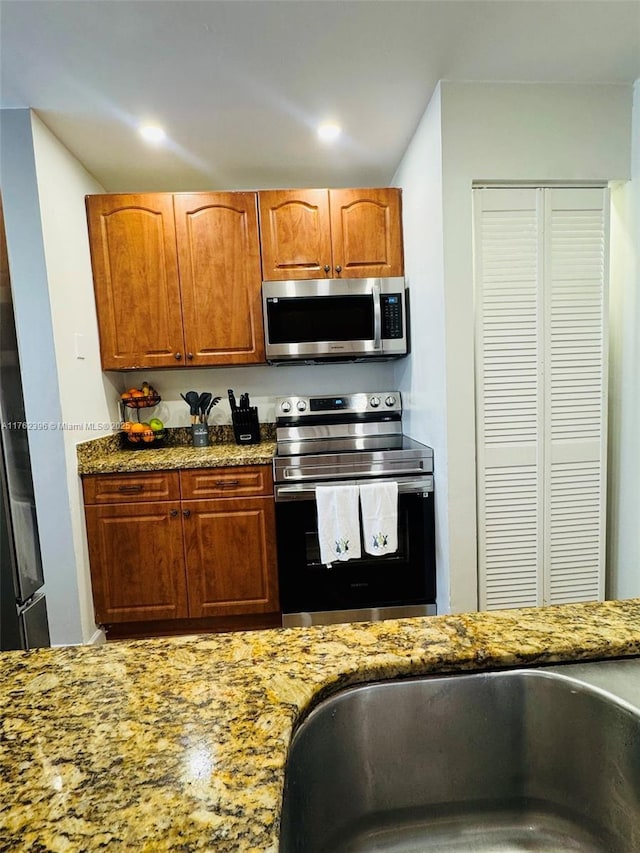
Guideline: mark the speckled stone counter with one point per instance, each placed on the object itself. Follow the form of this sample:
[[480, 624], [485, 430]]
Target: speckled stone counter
[[180, 744], [105, 456]]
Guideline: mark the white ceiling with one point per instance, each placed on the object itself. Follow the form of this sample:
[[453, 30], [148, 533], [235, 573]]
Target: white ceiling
[[240, 84]]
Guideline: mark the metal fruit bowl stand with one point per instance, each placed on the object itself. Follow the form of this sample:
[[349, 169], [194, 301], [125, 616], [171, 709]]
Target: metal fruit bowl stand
[[139, 440]]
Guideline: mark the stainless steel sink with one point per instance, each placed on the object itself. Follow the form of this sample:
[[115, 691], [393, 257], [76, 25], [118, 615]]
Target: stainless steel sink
[[526, 760]]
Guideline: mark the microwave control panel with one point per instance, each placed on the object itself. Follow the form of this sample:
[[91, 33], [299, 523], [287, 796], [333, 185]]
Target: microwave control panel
[[391, 310]]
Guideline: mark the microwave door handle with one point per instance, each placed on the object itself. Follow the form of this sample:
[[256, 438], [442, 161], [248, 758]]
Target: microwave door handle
[[377, 317]]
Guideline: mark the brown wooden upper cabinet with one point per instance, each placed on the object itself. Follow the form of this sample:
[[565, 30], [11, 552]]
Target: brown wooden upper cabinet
[[177, 279], [319, 233]]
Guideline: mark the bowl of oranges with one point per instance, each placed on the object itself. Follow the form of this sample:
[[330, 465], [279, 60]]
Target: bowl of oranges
[[138, 436], [140, 398]]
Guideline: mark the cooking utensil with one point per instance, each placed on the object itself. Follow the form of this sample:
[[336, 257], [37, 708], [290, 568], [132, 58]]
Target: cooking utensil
[[211, 405], [203, 402], [192, 398], [232, 400]]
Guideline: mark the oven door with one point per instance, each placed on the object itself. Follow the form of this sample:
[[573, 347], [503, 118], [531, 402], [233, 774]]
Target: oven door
[[404, 579]]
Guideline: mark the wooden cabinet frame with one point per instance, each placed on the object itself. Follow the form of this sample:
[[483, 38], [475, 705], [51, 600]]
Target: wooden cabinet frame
[[342, 233], [177, 279], [207, 550]]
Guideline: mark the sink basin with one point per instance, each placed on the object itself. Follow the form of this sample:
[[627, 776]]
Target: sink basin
[[525, 760]]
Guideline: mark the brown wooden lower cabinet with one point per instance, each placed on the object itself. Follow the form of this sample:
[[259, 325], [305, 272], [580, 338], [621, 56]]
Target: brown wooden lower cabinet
[[181, 565], [229, 546], [137, 561]]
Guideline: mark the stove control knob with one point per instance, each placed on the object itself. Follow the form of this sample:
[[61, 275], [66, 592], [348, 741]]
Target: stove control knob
[[285, 406], [374, 402], [301, 406], [390, 400]]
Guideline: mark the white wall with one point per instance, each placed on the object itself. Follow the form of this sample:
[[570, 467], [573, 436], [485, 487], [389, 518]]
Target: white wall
[[421, 378], [262, 383], [623, 543], [29, 281], [511, 133], [87, 398]]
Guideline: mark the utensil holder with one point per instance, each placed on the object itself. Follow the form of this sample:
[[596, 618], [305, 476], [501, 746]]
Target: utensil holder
[[246, 427], [200, 435]]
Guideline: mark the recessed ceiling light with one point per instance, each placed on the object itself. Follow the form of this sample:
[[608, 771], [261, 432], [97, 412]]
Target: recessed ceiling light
[[152, 133], [329, 131]]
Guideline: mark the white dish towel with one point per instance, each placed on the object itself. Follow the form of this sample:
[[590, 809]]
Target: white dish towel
[[338, 523], [379, 504]]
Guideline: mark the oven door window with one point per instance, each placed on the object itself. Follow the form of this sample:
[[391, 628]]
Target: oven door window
[[300, 319], [405, 577], [312, 549]]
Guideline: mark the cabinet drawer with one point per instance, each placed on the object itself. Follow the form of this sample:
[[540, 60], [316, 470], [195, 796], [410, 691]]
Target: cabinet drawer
[[125, 488], [253, 480]]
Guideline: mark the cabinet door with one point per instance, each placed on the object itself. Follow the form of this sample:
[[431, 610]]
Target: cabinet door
[[366, 232], [135, 275], [220, 277], [231, 558], [295, 234], [137, 561]]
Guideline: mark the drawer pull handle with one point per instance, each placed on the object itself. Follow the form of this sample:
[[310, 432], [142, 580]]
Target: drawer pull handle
[[174, 513], [133, 487], [227, 484]]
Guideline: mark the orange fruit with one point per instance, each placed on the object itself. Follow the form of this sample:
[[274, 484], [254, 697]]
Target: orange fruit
[[126, 426], [125, 395], [135, 433], [148, 435]]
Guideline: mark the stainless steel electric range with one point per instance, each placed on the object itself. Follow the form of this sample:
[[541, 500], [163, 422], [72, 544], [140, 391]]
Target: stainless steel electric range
[[351, 439]]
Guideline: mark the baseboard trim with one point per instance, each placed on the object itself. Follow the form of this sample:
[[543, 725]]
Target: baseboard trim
[[98, 638]]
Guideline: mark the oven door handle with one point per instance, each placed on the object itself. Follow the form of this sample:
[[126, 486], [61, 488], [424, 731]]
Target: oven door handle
[[307, 491]]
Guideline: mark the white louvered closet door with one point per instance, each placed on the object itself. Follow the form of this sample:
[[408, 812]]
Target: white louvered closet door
[[540, 394], [576, 272]]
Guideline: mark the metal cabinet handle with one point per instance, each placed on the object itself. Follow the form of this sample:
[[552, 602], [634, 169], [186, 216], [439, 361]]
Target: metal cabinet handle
[[178, 356], [189, 355], [186, 513], [132, 487], [174, 513], [327, 268], [338, 268], [227, 484]]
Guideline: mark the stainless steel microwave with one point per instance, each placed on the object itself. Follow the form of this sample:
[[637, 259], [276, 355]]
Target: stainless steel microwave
[[335, 319]]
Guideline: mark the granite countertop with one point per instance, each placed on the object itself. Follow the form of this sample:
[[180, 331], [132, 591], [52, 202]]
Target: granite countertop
[[180, 743], [105, 455]]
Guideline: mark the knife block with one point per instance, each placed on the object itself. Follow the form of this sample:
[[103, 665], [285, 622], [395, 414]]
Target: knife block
[[246, 427]]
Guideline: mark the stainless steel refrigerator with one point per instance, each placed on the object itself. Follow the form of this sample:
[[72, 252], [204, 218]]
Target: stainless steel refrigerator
[[23, 609]]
